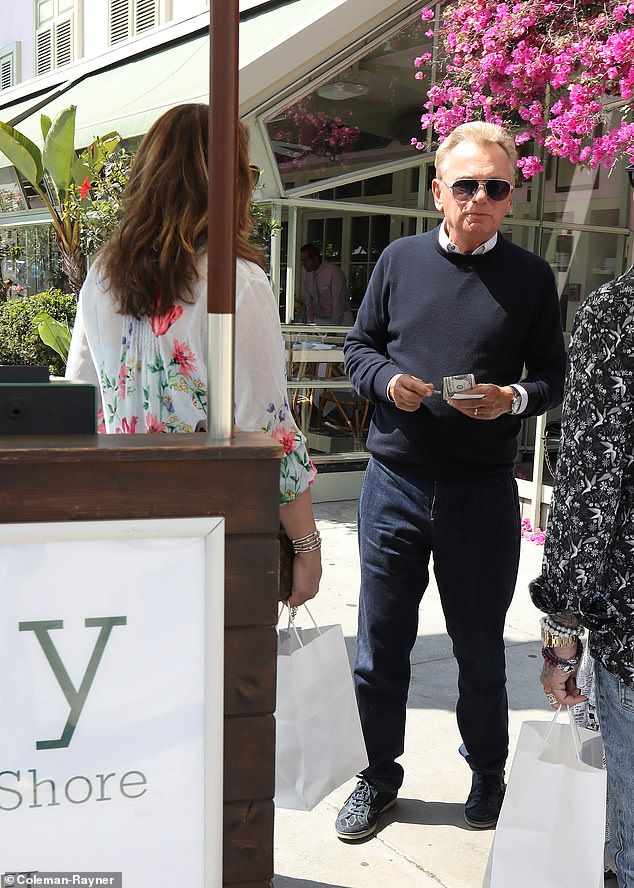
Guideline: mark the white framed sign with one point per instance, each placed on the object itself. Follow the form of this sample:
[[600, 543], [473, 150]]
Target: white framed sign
[[111, 699]]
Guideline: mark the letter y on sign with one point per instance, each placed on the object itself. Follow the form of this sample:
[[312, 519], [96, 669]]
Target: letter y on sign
[[75, 698]]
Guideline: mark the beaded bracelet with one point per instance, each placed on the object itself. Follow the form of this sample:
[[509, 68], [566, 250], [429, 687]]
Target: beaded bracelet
[[564, 665], [558, 628], [557, 635], [309, 543]]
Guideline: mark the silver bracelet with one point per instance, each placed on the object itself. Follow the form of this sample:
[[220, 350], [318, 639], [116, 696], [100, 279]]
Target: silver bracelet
[[309, 543]]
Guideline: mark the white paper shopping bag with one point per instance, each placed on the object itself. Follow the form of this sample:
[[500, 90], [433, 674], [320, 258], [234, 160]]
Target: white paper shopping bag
[[551, 828], [319, 741]]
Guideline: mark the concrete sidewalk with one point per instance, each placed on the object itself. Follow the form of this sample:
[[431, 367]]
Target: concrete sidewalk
[[423, 842]]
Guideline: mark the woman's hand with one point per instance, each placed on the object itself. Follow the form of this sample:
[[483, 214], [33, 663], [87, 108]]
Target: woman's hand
[[306, 576]]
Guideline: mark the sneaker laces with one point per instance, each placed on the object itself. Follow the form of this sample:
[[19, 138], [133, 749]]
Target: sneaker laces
[[483, 785], [360, 798]]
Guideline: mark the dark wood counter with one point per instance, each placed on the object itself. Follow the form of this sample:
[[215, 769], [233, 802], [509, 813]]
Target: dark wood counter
[[84, 478]]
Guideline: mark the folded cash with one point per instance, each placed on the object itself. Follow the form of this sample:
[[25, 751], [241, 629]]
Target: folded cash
[[460, 383]]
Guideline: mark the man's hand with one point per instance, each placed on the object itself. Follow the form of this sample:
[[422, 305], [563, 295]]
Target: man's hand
[[408, 392], [497, 400], [560, 686]]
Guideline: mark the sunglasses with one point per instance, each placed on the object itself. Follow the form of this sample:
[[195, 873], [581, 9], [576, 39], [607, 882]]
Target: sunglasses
[[256, 172], [630, 172], [465, 189]]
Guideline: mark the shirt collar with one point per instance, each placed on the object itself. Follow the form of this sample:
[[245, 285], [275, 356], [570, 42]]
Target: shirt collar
[[448, 247]]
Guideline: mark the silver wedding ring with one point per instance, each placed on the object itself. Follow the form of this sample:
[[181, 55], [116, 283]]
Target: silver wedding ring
[[551, 699]]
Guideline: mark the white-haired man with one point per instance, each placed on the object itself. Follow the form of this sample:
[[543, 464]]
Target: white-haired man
[[455, 301]]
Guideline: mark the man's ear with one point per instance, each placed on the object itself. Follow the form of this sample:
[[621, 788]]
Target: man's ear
[[436, 190]]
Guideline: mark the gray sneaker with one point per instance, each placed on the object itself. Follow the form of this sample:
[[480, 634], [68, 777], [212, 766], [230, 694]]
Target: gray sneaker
[[360, 812]]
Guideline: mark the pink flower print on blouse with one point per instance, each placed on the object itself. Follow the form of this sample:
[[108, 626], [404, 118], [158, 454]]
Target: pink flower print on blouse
[[121, 381], [153, 424], [185, 358], [286, 439], [160, 324], [128, 428]]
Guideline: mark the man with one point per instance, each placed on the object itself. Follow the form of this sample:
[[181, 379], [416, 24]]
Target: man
[[325, 289], [588, 571], [458, 300]]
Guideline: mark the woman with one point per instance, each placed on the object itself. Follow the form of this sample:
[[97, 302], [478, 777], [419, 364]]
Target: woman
[[141, 329]]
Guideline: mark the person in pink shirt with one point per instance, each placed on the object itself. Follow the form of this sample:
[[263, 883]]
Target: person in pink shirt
[[325, 289]]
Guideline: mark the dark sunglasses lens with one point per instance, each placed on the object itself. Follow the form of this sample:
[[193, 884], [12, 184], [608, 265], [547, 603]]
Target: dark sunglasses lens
[[464, 189], [498, 189]]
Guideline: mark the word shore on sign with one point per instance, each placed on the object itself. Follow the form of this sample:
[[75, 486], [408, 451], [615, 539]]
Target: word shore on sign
[[90, 880]]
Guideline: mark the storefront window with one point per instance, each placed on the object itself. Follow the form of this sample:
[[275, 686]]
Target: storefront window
[[39, 267], [581, 262], [363, 115], [11, 196]]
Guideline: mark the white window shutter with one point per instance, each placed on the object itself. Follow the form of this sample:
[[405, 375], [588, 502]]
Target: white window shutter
[[44, 50], [145, 15], [63, 43], [6, 72], [119, 24]]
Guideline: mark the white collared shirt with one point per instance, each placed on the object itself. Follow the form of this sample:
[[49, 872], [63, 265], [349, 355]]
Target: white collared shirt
[[449, 247]]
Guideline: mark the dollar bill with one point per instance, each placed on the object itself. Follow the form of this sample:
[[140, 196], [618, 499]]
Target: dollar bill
[[460, 383]]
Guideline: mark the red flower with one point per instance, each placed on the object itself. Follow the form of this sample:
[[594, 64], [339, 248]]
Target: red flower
[[85, 188], [286, 439], [127, 428], [153, 424], [184, 357], [160, 324]]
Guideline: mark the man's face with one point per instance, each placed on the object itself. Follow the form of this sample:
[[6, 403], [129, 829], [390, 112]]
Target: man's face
[[309, 262], [474, 221]]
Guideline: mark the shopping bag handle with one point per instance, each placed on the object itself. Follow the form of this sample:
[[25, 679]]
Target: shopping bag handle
[[573, 728], [292, 614]]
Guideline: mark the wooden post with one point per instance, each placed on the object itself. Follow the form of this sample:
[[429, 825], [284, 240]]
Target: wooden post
[[223, 172]]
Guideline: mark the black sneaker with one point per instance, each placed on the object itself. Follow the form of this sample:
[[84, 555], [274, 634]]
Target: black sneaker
[[360, 812], [482, 808]]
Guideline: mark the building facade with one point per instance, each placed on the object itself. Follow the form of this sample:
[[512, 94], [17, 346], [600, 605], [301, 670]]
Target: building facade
[[329, 93]]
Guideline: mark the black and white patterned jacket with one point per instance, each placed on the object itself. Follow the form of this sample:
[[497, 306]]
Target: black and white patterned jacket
[[588, 563]]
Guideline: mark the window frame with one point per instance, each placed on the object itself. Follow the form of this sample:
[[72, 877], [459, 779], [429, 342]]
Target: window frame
[[61, 30], [10, 53]]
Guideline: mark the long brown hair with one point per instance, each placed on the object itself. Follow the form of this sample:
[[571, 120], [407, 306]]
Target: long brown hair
[[151, 260]]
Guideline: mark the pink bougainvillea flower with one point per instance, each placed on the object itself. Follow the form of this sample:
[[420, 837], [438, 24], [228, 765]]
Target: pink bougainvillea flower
[[160, 324], [286, 439], [85, 188], [185, 358], [153, 424], [545, 69]]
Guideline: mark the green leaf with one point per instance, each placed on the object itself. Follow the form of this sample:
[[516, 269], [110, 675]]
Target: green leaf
[[24, 154], [53, 333], [59, 149], [78, 172], [45, 124]]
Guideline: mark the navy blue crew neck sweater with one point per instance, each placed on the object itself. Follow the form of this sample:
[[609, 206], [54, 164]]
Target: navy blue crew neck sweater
[[432, 314]]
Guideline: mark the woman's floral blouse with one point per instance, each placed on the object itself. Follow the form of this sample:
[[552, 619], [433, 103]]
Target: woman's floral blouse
[[589, 554], [152, 373]]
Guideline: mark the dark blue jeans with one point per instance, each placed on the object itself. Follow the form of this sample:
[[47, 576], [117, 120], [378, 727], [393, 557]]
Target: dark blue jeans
[[472, 528]]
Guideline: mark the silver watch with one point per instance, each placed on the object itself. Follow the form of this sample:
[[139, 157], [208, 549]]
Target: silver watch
[[516, 402]]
